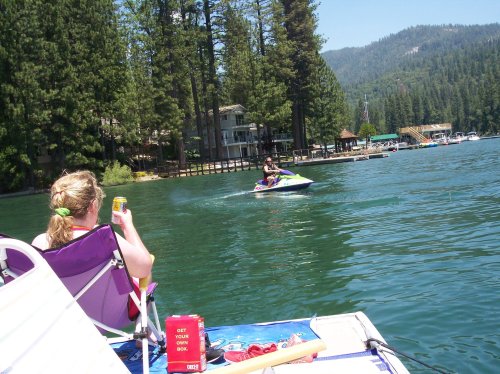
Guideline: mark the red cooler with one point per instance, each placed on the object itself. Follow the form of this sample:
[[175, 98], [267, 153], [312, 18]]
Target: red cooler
[[185, 344]]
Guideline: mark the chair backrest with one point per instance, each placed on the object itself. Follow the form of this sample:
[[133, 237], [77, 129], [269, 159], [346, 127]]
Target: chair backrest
[[91, 263], [43, 329], [18, 263]]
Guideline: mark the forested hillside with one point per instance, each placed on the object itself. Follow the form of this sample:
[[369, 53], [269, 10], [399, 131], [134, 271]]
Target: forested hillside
[[425, 74], [84, 83]]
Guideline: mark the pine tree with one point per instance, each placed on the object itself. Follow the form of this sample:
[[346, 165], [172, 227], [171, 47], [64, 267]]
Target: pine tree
[[164, 91], [213, 80], [300, 25], [275, 72], [390, 113], [329, 108], [22, 97], [358, 115], [237, 57], [417, 108], [115, 111], [193, 41]]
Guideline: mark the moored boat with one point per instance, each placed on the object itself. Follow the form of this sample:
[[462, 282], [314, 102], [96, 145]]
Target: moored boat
[[440, 138], [428, 144], [472, 135], [460, 136], [403, 145], [454, 140]]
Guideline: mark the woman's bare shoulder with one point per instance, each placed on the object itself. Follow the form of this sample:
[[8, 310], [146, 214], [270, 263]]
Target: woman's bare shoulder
[[41, 241]]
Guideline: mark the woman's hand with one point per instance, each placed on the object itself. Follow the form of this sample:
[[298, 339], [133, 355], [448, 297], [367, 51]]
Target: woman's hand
[[123, 219]]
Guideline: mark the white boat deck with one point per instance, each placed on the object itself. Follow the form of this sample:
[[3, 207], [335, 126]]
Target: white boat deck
[[341, 335], [39, 306], [345, 337]]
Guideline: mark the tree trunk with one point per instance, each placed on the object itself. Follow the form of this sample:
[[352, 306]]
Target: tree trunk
[[261, 29], [205, 104], [213, 81], [113, 143], [181, 154], [297, 134], [197, 111]]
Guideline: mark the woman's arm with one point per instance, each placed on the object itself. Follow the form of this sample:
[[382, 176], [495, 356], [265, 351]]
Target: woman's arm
[[275, 168], [136, 255]]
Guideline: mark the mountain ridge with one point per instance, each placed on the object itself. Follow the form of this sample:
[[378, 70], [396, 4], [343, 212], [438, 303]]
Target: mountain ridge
[[355, 65], [424, 75]]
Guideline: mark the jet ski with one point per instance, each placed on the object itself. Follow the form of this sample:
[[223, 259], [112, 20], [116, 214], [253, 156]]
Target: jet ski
[[285, 181]]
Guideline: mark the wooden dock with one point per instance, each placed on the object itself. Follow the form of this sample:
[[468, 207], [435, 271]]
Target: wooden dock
[[334, 160], [227, 166]]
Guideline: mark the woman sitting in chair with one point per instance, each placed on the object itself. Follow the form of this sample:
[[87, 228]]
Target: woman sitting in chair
[[75, 200]]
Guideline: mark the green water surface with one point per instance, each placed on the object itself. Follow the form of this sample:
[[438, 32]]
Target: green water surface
[[412, 240]]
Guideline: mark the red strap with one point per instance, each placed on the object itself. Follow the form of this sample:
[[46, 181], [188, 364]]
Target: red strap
[[80, 228], [133, 311]]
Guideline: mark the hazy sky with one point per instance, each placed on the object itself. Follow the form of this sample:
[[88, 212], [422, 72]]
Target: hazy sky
[[356, 23]]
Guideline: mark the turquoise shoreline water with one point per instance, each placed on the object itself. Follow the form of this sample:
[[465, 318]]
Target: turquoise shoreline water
[[411, 240]]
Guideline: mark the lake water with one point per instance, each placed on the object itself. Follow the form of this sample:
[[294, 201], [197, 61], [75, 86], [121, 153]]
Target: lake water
[[412, 240]]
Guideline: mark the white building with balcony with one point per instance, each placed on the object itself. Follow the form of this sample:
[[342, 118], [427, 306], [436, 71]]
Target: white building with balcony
[[239, 138]]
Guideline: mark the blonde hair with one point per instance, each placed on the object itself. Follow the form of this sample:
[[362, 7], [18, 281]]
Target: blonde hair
[[75, 192]]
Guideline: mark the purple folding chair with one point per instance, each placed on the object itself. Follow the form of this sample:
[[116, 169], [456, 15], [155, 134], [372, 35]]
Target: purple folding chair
[[92, 268], [39, 316]]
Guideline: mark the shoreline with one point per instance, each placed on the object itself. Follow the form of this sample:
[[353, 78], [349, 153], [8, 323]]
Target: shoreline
[[32, 191], [27, 192], [185, 173]]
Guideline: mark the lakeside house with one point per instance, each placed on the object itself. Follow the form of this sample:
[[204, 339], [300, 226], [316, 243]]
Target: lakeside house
[[240, 138]]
